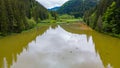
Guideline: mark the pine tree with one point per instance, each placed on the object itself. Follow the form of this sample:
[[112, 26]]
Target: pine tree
[[3, 18], [108, 18]]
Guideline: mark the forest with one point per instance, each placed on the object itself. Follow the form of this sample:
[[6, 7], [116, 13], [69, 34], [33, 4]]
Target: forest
[[105, 17], [101, 15], [77, 7], [19, 15]]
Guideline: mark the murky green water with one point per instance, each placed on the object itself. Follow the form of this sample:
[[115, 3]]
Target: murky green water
[[59, 46]]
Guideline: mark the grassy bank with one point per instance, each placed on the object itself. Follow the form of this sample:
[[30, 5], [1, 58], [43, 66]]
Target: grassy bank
[[111, 34], [33, 28], [47, 23]]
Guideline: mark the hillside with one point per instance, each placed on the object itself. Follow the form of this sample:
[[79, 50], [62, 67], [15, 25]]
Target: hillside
[[77, 7], [18, 15], [105, 17], [54, 9]]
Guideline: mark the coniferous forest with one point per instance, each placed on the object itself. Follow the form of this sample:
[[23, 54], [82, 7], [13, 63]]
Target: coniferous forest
[[19, 15], [77, 7], [105, 17]]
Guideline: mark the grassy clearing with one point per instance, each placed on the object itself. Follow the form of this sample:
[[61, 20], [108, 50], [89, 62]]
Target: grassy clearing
[[70, 20], [61, 21]]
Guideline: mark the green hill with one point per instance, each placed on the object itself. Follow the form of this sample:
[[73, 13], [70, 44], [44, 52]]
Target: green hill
[[77, 7]]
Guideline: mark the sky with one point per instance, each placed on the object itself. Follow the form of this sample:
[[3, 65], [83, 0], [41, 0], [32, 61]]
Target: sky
[[51, 3]]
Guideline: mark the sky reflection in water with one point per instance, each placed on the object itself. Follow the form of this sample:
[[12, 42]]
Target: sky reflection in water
[[57, 48]]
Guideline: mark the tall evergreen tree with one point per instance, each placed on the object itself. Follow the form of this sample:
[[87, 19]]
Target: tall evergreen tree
[[15, 15], [3, 18]]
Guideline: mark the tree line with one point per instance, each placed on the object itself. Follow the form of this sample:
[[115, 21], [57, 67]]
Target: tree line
[[19, 15], [105, 17]]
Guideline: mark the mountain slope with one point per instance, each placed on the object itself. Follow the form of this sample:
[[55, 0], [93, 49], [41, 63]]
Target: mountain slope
[[77, 7], [54, 9], [18, 15]]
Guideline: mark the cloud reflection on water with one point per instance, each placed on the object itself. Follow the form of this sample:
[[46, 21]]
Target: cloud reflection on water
[[57, 48]]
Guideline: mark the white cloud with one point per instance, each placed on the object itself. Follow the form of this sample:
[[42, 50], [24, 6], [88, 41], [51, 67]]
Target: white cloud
[[52, 3]]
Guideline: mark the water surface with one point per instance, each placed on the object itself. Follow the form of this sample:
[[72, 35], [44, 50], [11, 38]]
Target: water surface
[[59, 46]]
